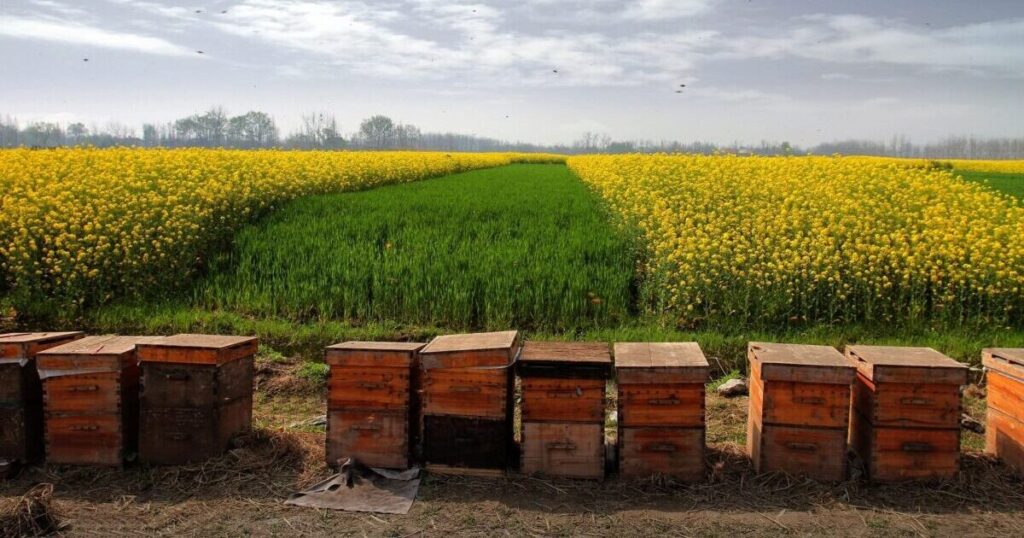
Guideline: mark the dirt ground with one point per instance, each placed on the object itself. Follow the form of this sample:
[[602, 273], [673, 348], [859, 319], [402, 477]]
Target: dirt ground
[[242, 493]]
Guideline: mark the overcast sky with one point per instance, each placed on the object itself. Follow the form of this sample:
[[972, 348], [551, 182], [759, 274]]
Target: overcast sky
[[534, 70]]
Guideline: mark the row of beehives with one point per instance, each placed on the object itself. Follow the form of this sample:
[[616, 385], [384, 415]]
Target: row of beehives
[[450, 403], [99, 399], [175, 399]]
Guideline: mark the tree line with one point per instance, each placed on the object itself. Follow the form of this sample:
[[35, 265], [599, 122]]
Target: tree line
[[321, 130]]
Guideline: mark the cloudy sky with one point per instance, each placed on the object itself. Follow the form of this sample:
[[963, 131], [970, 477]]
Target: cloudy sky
[[533, 70]]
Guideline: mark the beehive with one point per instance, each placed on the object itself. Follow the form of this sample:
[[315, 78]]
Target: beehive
[[906, 412], [1004, 434], [799, 409], [661, 409], [563, 401], [196, 395], [371, 404], [21, 394], [91, 400], [467, 402]]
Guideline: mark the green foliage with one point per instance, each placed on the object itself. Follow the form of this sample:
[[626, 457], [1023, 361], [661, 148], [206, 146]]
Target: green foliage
[[1012, 184], [316, 372], [524, 246], [718, 382]]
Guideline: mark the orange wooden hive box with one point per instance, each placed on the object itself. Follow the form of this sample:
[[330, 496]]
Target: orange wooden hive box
[[21, 395], [196, 395], [563, 401], [1004, 434], [906, 412], [466, 399], [661, 409], [799, 409], [371, 403], [91, 400]]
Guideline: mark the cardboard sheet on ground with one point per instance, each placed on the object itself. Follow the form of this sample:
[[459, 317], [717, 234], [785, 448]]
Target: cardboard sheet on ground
[[362, 489]]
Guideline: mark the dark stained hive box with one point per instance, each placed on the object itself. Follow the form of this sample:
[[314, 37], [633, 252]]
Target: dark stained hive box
[[563, 401], [467, 402], [799, 409], [196, 395], [372, 405], [661, 409], [21, 394], [905, 423], [1004, 434], [91, 400]]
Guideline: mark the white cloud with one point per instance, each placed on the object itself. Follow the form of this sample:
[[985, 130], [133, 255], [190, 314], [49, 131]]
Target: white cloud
[[81, 34], [659, 10], [835, 76]]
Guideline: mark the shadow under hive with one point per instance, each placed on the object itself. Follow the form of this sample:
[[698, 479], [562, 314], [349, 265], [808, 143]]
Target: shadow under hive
[[371, 405], [196, 395], [799, 409], [1004, 433], [906, 412], [91, 400], [563, 401], [467, 402], [661, 409], [21, 394]]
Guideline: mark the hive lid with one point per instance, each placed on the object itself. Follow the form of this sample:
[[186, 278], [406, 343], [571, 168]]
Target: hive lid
[[1008, 361], [92, 354], [666, 362], [197, 349], [372, 354], [888, 364], [800, 363], [570, 358], [22, 346], [493, 349]]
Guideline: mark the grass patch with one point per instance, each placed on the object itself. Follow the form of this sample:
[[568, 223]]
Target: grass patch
[[1012, 184], [519, 246]]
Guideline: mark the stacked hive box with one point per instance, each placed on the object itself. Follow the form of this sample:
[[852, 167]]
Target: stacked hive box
[[906, 412], [799, 409], [21, 395], [196, 395], [563, 399], [371, 403], [91, 392], [661, 409], [467, 402], [1005, 432], [1004, 436]]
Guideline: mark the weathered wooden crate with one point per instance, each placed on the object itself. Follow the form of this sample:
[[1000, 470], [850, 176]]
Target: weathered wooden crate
[[196, 395], [1004, 434], [799, 409], [661, 409], [372, 402], [21, 394], [906, 412], [563, 402], [467, 402], [91, 400]]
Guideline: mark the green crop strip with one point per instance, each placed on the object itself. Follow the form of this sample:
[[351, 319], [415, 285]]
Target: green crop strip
[[524, 246]]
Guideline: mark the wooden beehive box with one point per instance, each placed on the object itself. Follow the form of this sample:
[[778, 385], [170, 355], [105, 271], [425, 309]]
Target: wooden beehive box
[[21, 394], [467, 402], [563, 401], [906, 412], [372, 407], [91, 400], [799, 409], [661, 409], [196, 395], [1004, 434]]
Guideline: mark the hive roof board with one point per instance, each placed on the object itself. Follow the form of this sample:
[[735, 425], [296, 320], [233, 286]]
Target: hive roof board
[[372, 354], [29, 338], [1008, 361], [197, 349], [799, 363], [891, 364], [590, 353], [90, 354], [660, 362], [99, 345], [22, 346], [475, 350]]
